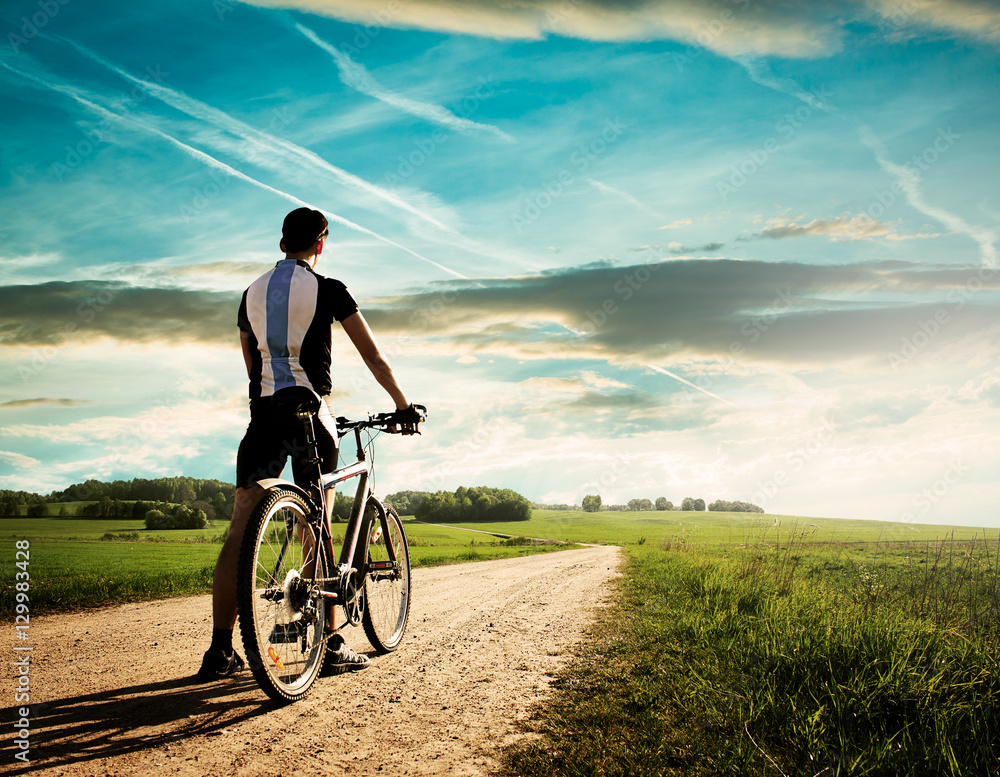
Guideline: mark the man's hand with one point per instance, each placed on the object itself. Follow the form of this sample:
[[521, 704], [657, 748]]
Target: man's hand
[[407, 419]]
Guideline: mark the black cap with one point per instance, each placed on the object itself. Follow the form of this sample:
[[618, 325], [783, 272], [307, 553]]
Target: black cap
[[303, 227]]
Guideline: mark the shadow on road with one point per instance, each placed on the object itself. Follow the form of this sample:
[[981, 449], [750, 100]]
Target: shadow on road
[[113, 723]]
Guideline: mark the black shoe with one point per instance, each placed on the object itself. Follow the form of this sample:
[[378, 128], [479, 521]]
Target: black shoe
[[217, 664], [340, 658]]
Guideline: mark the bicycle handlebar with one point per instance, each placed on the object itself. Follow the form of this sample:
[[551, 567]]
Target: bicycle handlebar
[[397, 422]]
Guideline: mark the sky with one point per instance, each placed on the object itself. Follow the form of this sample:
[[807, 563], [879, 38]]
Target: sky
[[730, 250]]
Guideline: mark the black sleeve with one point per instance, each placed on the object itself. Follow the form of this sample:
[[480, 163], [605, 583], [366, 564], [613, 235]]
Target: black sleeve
[[337, 299], [241, 318]]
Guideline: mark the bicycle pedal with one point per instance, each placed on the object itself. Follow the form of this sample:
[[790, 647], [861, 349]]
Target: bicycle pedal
[[283, 633]]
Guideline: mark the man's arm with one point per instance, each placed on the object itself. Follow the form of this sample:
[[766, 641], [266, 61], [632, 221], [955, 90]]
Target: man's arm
[[245, 344], [357, 329]]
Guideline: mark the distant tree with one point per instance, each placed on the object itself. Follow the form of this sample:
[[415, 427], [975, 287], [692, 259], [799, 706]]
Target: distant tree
[[178, 517], [8, 506], [406, 502], [156, 519], [205, 507], [38, 510], [592, 503], [342, 505], [662, 503], [723, 506], [699, 504], [687, 503], [480, 503]]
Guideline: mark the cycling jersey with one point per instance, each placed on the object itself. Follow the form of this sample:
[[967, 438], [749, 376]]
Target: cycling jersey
[[288, 313]]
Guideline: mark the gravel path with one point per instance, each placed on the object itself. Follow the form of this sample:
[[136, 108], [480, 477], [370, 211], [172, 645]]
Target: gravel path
[[114, 695]]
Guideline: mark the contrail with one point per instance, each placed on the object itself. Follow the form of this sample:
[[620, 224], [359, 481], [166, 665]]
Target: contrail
[[287, 149], [601, 186], [909, 179], [689, 383], [220, 165], [357, 77], [763, 76]]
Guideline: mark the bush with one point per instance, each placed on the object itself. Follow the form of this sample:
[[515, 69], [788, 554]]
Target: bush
[[180, 517]]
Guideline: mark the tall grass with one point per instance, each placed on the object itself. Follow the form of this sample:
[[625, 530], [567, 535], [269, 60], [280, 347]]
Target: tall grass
[[776, 657]]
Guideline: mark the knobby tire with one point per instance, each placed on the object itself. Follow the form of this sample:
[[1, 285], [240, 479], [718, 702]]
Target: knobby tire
[[387, 593], [279, 539]]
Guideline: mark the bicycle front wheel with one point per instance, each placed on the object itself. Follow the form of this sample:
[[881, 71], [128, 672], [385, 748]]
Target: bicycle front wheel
[[387, 579], [282, 610]]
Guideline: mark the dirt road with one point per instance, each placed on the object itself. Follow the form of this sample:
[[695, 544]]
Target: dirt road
[[116, 697]]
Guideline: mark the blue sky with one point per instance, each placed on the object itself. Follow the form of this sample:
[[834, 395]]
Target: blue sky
[[737, 250]]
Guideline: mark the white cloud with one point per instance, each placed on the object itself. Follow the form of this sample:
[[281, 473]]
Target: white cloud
[[729, 28], [843, 227], [967, 18], [12, 459]]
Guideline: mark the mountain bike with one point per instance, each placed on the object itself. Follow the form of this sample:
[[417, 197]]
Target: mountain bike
[[288, 580]]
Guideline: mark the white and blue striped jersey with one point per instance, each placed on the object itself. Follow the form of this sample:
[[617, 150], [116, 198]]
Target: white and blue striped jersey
[[288, 313]]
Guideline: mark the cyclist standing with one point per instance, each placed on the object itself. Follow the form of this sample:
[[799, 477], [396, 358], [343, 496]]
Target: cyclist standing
[[285, 322]]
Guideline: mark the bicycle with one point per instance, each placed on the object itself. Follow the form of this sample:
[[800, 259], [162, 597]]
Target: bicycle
[[287, 582]]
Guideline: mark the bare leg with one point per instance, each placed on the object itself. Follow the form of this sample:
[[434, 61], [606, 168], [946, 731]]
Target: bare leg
[[224, 580]]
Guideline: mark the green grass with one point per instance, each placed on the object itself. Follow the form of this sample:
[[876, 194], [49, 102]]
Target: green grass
[[69, 574], [627, 528], [78, 562], [94, 528], [776, 655]]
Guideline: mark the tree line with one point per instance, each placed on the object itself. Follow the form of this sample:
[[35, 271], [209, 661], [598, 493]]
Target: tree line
[[592, 504], [177, 502], [176, 490], [480, 503]]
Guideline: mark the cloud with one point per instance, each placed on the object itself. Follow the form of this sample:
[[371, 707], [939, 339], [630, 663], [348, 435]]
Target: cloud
[[52, 313], [42, 401], [844, 227], [357, 77], [9, 459], [733, 28], [677, 224], [678, 249], [661, 313], [729, 28], [965, 18]]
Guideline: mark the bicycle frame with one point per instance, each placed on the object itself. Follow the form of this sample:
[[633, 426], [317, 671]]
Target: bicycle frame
[[352, 557]]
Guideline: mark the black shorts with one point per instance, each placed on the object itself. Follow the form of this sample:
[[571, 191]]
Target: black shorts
[[273, 435]]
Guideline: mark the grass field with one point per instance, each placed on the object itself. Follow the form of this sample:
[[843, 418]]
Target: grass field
[[76, 562], [737, 644], [628, 528], [807, 647]]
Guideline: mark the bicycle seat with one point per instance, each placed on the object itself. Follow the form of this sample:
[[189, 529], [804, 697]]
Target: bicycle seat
[[295, 397]]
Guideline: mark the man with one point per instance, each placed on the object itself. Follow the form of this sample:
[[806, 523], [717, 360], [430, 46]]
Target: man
[[285, 322]]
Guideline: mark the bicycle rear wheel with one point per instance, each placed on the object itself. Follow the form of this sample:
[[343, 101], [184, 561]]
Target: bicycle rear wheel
[[279, 592], [387, 579]]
